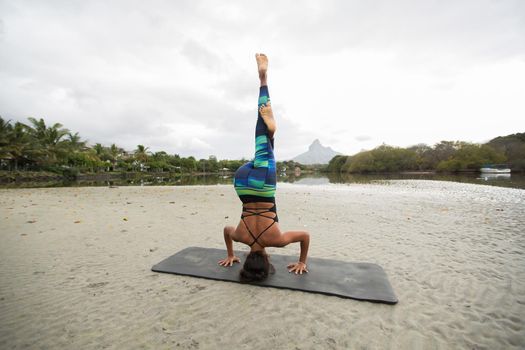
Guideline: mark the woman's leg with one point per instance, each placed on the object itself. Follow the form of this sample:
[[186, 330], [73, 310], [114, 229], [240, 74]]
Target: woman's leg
[[265, 108], [264, 157], [263, 141], [258, 178], [265, 127], [262, 176]]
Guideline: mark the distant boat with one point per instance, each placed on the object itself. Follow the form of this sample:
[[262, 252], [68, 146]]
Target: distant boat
[[495, 169]]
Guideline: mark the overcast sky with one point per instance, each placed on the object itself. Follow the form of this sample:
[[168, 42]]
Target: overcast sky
[[180, 76]]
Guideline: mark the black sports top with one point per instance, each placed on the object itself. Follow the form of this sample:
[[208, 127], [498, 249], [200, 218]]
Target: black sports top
[[259, 212]]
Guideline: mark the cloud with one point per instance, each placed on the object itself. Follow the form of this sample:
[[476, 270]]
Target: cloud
[[180, 76], [362, 138], [199, 55]]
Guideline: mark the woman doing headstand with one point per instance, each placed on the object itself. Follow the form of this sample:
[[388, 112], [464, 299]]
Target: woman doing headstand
[[255, 185]]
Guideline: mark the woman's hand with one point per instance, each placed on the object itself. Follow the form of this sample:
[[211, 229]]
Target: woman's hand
[[229, 261], [298, 268]]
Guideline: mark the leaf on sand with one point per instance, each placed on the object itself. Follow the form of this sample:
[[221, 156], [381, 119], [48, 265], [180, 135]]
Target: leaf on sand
[[125, 219], [77, 222]]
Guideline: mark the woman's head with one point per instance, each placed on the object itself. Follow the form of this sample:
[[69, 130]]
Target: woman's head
[[256, 267]]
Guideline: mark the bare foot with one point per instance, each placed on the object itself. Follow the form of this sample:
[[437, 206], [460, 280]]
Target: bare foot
[[267, 115], [262, 65]]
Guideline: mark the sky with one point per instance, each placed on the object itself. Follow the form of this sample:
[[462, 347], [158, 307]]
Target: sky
[[180, 76]]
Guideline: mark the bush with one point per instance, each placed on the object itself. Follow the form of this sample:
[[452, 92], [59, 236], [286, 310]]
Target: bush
[[70, 173]]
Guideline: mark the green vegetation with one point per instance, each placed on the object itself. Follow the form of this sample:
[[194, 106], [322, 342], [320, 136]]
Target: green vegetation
[[33, 149], [289, 167], [446, 156], [513, 147], [39, 147]]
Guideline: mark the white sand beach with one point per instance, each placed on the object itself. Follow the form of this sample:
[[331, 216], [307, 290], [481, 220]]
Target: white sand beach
[[75, 268]]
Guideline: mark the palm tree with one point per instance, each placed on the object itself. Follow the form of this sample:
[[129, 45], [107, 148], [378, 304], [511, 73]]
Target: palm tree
[[74, 142], [160, 155], [141, 156], [105, 155], [39, 128], [99, 149], [56, 146], [20, 145], [115, 153], [142, 153], [5, 134], [49, 139]]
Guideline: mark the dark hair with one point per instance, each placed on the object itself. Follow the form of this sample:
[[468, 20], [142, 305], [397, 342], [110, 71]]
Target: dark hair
[[256, 267]]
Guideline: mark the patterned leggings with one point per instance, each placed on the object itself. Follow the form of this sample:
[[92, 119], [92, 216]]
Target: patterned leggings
[[255, 180]]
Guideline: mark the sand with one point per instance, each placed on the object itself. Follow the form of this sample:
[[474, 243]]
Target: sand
[[75, 268]]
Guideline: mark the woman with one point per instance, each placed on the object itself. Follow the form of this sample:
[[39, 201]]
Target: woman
[[255, 185]]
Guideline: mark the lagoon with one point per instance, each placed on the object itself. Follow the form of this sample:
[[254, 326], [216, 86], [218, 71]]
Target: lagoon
[[516, 180]]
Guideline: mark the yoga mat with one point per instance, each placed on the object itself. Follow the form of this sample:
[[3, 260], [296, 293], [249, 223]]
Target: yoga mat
[[361, 281]]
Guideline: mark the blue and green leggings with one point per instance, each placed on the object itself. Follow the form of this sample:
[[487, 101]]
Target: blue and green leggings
[[255, 180]]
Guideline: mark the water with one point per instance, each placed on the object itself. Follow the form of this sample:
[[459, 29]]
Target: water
[[500, 180], [505, 180]]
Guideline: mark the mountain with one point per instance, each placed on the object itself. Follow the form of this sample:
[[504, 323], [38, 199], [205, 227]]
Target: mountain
[[316, 154]]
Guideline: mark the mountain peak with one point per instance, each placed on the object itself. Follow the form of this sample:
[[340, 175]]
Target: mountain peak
[[315, 144], [316, 154]]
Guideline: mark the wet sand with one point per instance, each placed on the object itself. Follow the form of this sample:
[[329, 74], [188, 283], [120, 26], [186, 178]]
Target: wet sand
[[76, 268]]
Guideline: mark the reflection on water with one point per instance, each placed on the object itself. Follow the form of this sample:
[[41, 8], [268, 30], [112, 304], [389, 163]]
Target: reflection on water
[[502, 180], [144, 180], [490, 177]]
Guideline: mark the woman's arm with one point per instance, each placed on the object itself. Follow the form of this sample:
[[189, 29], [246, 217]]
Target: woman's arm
[[302, 237], [228, 230]]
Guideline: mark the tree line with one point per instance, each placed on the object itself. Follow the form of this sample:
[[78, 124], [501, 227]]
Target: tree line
[[447, 156], [35, 146]]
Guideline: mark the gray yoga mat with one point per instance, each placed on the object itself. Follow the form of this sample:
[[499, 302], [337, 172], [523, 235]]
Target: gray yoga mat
[[361, 281]]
